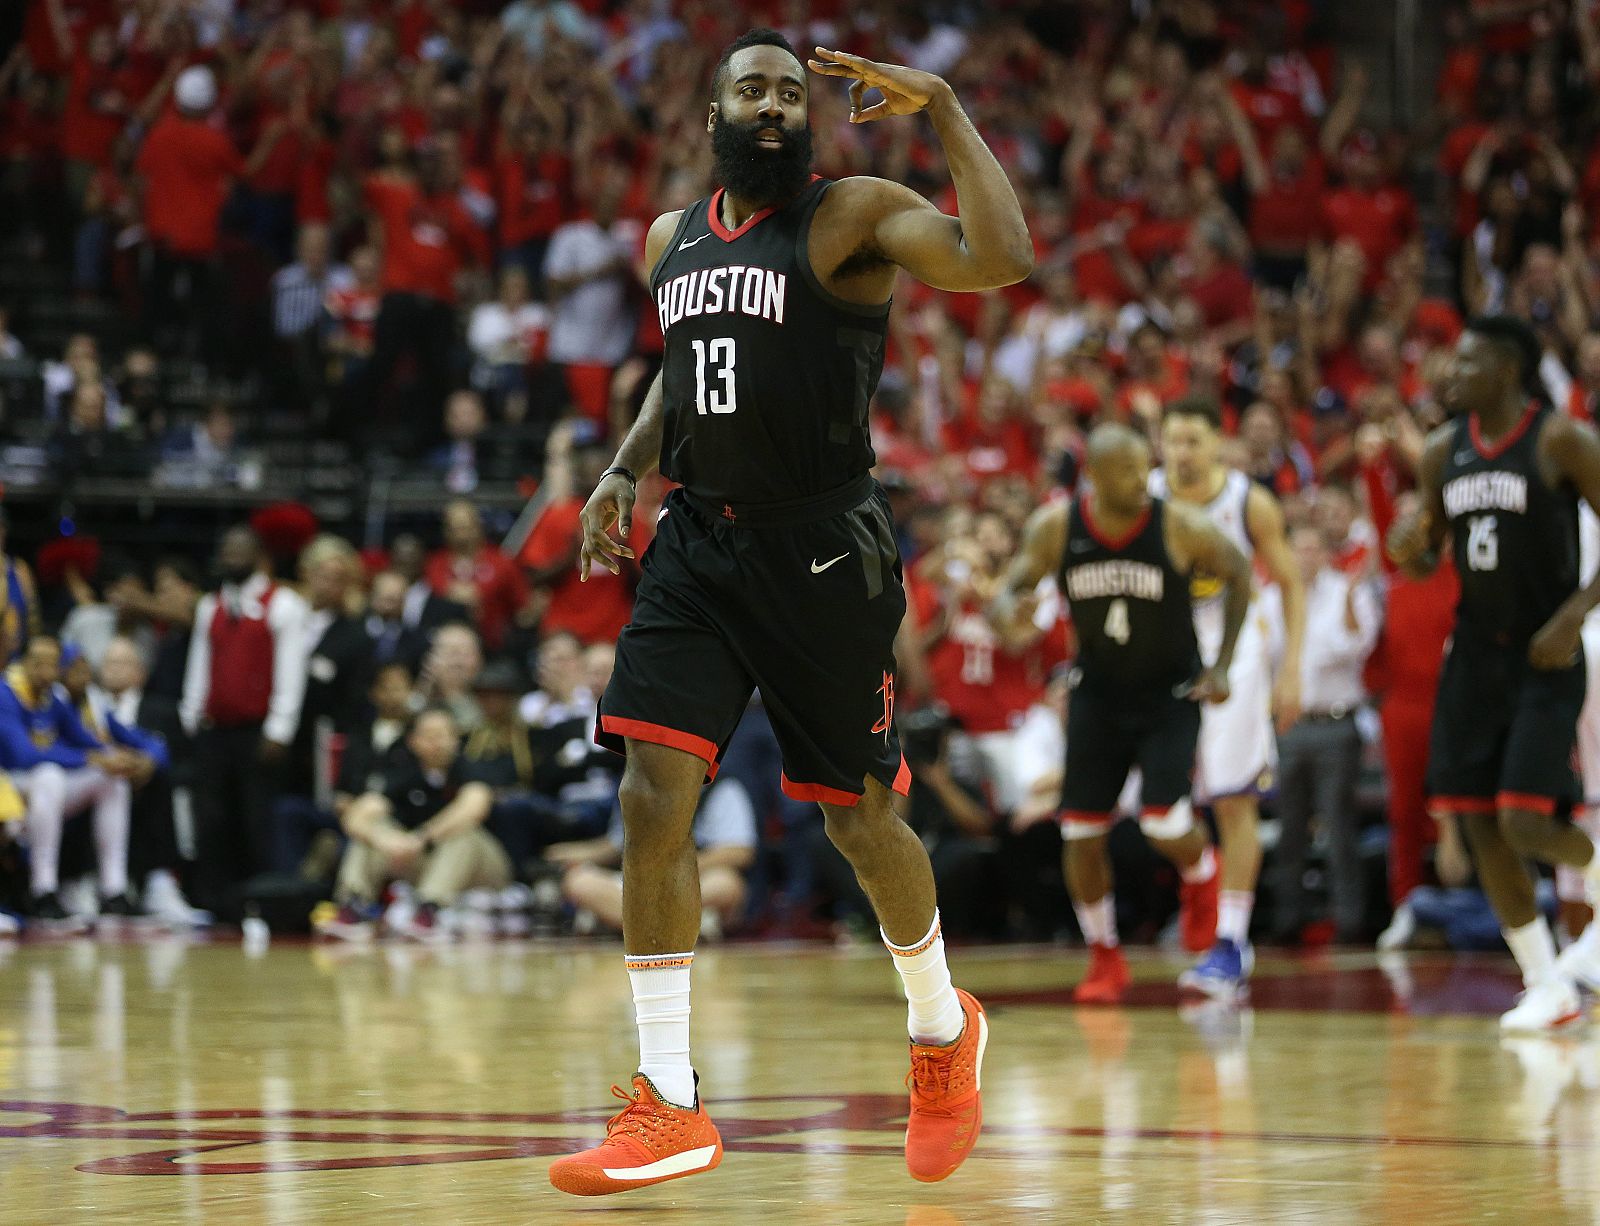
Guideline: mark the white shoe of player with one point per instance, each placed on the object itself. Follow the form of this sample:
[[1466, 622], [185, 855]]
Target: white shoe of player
[[1579, 962], [1544, 1007]]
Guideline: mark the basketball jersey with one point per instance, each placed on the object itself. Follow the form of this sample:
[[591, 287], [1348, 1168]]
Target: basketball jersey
[[1130, 606], [1227, 512], [1515, 538], [766, 375]]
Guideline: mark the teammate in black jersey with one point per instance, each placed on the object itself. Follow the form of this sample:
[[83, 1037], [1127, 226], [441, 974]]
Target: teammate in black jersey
[[1122, 560], [1502, 480], [775, 566]]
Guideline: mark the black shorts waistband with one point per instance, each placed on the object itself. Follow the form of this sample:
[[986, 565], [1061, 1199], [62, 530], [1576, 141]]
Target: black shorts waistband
[[806, 510]]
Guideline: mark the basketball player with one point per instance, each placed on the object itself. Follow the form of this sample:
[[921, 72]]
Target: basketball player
[[1503, 479], [1572, 889], [1237, 746], [1123, 561], [775, 566]]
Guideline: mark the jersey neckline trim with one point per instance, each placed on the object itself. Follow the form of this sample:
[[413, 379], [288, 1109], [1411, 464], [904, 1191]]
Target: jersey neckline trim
[[1113, 543], [1496, 450], [714, 218]]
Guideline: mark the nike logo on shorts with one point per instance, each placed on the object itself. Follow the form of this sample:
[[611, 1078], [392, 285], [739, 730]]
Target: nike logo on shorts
[[690, 242], [818, 568]]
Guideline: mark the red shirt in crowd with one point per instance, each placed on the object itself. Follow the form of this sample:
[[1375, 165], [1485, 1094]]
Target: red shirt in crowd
[[532, 198], [985, 686], [189, 168], [1268, 108], [354, 311], [1283, 218], [427, 240], [501, 586], [1379, 221], [93, 116], [595, 611]]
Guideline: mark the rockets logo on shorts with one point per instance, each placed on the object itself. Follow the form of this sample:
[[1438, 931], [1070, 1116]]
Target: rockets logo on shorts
[[887, 690]]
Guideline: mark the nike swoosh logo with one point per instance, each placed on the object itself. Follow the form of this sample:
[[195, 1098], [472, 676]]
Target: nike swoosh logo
[[690, 242], [817, 570]]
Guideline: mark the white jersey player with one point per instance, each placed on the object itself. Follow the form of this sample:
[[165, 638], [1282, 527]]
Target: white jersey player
[[1238, 745]]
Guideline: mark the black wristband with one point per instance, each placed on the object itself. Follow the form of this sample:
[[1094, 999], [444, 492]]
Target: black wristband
[[626, 472]]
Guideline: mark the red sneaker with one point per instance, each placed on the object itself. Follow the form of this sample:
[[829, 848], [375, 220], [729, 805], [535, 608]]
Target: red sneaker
[[1108, 977], [946, 1107], [1197, 911], [648, 1141]]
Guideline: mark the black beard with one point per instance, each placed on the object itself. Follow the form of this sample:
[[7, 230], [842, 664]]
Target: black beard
[[759, 176]]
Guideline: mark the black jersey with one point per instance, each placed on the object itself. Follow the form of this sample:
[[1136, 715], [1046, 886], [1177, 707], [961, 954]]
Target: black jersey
[[1515, 538], [1131, 607], [766, 375]]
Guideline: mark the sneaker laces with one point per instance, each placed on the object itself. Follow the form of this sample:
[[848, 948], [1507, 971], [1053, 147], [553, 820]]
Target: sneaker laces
[[638, 1119], [929, 1080]]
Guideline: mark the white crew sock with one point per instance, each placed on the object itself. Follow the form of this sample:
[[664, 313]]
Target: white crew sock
[[661, 1007], [1203, 869], [1233, 915], [1098, 920], [933, 1011], [1534, 949]]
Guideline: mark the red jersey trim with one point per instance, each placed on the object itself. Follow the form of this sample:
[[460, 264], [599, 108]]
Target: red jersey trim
[[1505, 444], [1463, 804], [818, 792], [1113, 543], [1528, 802], [902, 778], [714, 217], [1083, 817], [660, 734]]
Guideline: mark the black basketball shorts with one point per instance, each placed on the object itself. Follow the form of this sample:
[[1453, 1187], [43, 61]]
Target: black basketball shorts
[[1109, 733], [801, 602], [1504, 732]]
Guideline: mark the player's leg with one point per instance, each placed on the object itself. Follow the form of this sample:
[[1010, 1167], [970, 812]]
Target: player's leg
[[1237, 754], [674, 698], [1166, 758]]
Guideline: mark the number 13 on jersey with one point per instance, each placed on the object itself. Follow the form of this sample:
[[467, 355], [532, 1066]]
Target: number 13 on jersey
[[718, 354]]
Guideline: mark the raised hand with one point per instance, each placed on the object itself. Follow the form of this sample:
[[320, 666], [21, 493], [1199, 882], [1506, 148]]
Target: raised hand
[[905, 90]]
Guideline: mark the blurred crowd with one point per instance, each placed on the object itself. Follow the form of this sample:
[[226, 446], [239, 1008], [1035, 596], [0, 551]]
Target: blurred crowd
[[419, 227]]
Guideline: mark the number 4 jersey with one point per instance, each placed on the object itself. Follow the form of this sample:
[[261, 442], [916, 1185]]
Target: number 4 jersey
[[1515, 537], [767, 376], [1130, 606]]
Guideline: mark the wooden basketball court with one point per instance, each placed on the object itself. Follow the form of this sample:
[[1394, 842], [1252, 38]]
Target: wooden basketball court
[[155, 1080]]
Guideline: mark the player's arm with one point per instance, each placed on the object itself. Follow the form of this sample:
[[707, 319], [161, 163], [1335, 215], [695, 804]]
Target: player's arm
[[1574, 450], [1264, 520], [1416, 537], [987, 245], [612, 500], [1044, 540], [1194, 542]]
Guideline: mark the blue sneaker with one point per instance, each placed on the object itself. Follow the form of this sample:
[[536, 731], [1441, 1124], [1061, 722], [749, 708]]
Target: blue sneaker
[[1221, 974]]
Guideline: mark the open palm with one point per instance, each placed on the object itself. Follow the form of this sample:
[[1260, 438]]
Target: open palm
[[905, 90]]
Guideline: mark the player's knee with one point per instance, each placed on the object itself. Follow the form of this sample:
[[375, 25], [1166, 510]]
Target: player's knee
[[1522, 829], [47, 784], [1167, 825], [652, 814]]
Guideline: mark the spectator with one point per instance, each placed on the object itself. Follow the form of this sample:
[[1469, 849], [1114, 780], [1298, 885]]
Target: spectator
[[242, 693], [507, 336], [1319, 758], [592, 610], [477, 575], [422, 609], [561, 695], [208, 453], [299, 291], [725, 845], [338, 657], [467, 456], [85, 444], [350, 317], [393, 641], [426, 827], [93, 625], [589, 271], [61, 769], [449, 672], [120, 699]]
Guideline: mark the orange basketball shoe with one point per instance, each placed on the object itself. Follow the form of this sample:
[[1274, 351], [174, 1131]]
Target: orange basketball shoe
[[946, 1108], [1108, 977], [1197, 911], [648, 1141]]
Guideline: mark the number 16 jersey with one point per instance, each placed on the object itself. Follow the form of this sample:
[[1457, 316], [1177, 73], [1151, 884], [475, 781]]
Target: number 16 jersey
[[1515, 538], [766, 375]]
